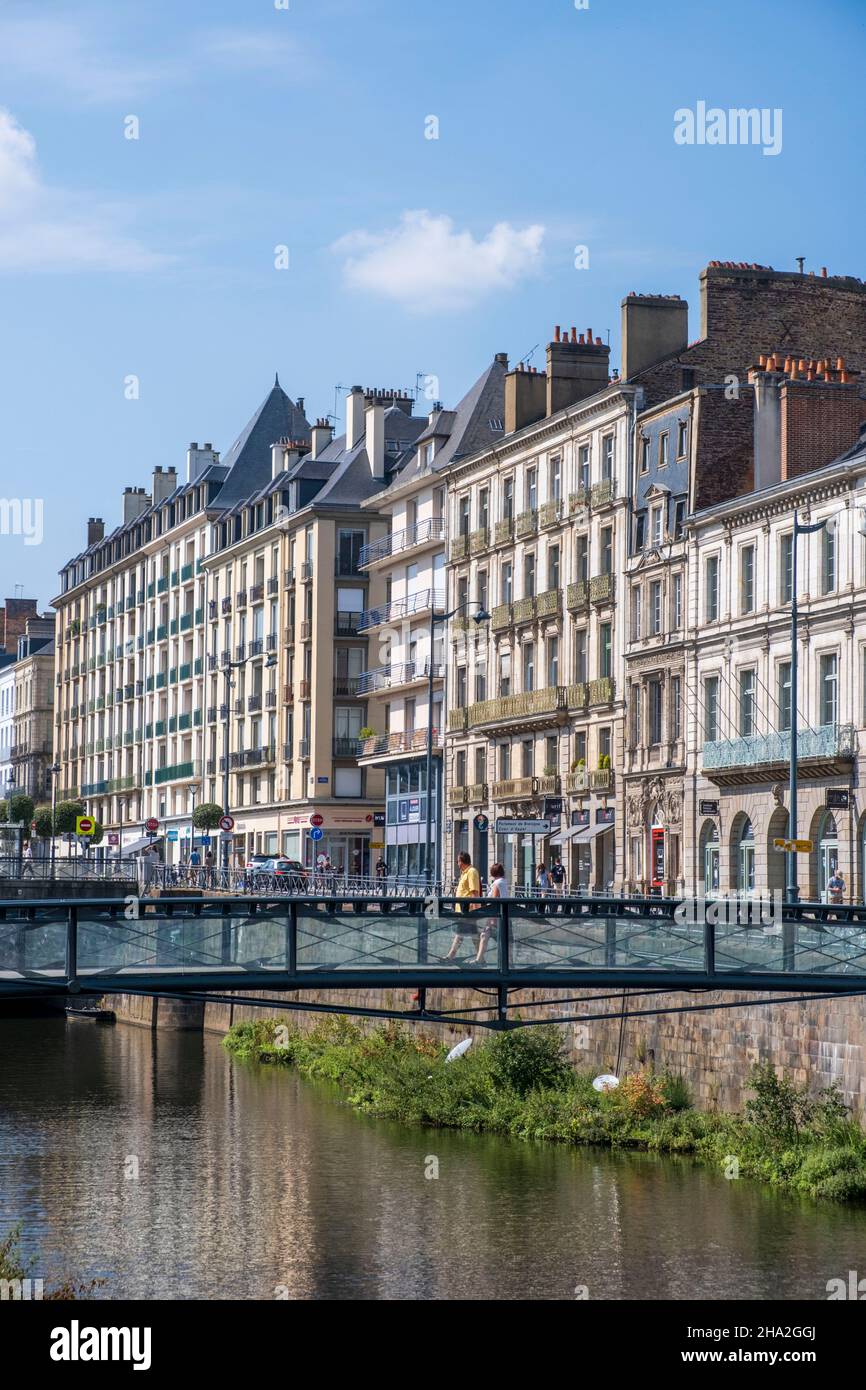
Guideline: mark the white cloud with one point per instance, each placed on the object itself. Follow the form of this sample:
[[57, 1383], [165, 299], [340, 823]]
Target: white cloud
[[46, 229], [256, 52], [426, 264]]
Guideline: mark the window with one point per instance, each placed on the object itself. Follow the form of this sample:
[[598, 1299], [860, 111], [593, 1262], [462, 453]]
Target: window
[[748, 687], [555, 479], [645, 454], [581, 558], [506, 582], [580, 747], [606, 550], [480, 682], [679, 518], [505, 673], [460, 768], [656, 607], [552, 661], [636, 596], [481, 589], [654, 696], [783, 695], [481, 763], [553, 567], [583, 467], [711, 589], [527, 757], [483, 509], [580, 669], [529, 666], [746, 859], [604, 743], [677, 605], [829, 688], [676, 707], [640, 531], [786, 568], [682, 438], [747, 579], [711, 709], [462, 687], [664, 442], [349, 545], [531, 489], [828, 559], [463, 516], [604, 649], [656, 520], [504, 761], [529, 576], [551, 754], [607, 458], [348, 781], [508, 499]]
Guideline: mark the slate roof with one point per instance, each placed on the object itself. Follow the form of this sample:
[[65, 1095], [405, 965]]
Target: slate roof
[[248, 461], [470, 427]]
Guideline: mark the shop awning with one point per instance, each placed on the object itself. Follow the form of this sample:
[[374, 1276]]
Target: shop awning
[[138, 845], [562, 837], [589, 832]]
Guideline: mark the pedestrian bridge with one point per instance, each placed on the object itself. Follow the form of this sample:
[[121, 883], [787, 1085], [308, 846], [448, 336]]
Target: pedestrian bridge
[[189, 945]]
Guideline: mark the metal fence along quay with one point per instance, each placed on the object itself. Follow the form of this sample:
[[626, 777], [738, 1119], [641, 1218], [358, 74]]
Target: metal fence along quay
[[187, 944]]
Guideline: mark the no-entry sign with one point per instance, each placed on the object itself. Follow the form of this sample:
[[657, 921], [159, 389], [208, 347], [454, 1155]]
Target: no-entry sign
[[84, 825], [316, 819], [227, 822], [151, 824]]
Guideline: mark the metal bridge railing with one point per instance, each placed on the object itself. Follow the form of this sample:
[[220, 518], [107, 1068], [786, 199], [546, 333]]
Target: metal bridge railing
[[340, 940]]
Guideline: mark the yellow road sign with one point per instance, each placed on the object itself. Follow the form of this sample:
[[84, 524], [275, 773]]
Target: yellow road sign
[[793, 846], [84, 825]]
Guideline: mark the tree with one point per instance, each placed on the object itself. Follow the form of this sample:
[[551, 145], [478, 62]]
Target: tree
[[207, 816], [66, 813], [21, 808], [4, 812], [42, 821]]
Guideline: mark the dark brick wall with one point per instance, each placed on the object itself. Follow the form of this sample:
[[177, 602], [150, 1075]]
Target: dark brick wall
[[747, 312], [13, 621], [819, 422], [724, 457]]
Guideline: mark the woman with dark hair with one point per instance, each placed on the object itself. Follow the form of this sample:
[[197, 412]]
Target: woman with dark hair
[[497, 888], [469, 886]]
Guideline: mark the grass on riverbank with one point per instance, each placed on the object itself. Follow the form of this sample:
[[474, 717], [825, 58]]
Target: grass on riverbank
[[520, 1085]]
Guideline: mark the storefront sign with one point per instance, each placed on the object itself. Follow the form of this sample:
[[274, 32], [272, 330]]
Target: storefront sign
[[481, 823], [378, 817], [708, 808], [838, 797], [580, 817], [553, 806], [604, 815]]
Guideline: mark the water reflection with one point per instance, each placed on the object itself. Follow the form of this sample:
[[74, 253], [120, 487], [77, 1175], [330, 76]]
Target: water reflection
[[251, 1181]]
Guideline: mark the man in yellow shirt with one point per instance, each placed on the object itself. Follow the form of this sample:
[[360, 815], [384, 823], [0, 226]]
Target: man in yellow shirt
[[469, 886]]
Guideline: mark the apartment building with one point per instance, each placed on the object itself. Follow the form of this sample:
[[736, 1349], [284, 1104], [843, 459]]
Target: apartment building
[[294, 728], [132, 638], [739, 667], [538, 530], [33, 708], [7, 723], [410, 562]]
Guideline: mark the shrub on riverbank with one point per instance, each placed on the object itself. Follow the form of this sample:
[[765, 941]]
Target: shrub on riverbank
[[519, 1084]]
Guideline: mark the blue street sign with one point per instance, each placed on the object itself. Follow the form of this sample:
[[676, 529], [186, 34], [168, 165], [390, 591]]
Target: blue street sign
[[171, 835], [316, 833]]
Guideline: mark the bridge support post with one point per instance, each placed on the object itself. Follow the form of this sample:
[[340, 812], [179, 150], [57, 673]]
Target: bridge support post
[[72, 950], [610, 942], [226, 938], [502, 1003], [504, 936], [709, 947], [789, 946]]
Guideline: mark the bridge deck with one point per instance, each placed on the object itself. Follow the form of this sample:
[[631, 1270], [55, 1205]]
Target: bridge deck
[[291, 943]]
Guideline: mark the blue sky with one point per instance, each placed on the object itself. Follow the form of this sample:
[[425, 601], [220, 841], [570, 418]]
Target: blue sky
[[305, 127]]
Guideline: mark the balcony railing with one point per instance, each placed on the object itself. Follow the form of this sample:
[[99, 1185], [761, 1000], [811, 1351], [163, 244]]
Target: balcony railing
[[503, 531], [479, 541], [549, 513], [459, 548], [577, 595], [601, 691], [829, 741], [402, 673], [345, 748], [603, 493], [408, 741], [500, 617], [345, 685], [400, 608], [601, 588], [432, 529], [514, 789], [577, 499], [549, 603], [530, 704], [523, 611], [525, 524]]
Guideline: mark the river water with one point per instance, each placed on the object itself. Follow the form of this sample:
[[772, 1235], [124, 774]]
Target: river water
[[157, 1162]]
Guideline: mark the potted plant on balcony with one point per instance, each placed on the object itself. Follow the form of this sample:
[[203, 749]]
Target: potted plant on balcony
[[604, 762], [578, 764], [367, 736], [550, 770]]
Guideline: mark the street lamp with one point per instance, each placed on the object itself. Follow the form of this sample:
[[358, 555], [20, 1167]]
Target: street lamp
[[792, 892], [482, 616], [55, 770], [194, 788], [227, 672]]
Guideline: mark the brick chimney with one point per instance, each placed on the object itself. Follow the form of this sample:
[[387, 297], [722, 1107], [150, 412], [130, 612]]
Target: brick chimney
[[95, 529], [577, 366], [354, 417], [653, 326], [13, 621], [808, 411]]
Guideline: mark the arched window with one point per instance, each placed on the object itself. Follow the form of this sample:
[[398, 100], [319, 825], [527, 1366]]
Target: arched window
[[746, 859], [710, 847]]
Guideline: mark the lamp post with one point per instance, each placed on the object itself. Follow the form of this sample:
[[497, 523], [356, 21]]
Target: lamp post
[[792, 891], [194, 788], [229, 667], [482, 616], [54, 770]]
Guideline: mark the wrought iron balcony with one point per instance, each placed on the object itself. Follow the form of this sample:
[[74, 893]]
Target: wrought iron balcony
[[601, 691], [409, 741], [577, 694], [401, 673], [603, 493], [550, 513], [577, 499], [459, 548], [514, 789], [525, 524], [500, 617], [529, 705], [601, 588], [479, 541], [577, 595], [523, 611], [346, 748], [765, 756], [503, 531], [549, 603]]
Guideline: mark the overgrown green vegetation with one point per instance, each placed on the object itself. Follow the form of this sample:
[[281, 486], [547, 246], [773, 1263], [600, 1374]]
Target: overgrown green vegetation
[[14, 1270], [519, 1084]]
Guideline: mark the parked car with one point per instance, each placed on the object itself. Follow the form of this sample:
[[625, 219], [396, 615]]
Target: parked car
[[291, 872]]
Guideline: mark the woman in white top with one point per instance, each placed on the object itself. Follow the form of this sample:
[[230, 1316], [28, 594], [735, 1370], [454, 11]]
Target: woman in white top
[[497, 888]]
